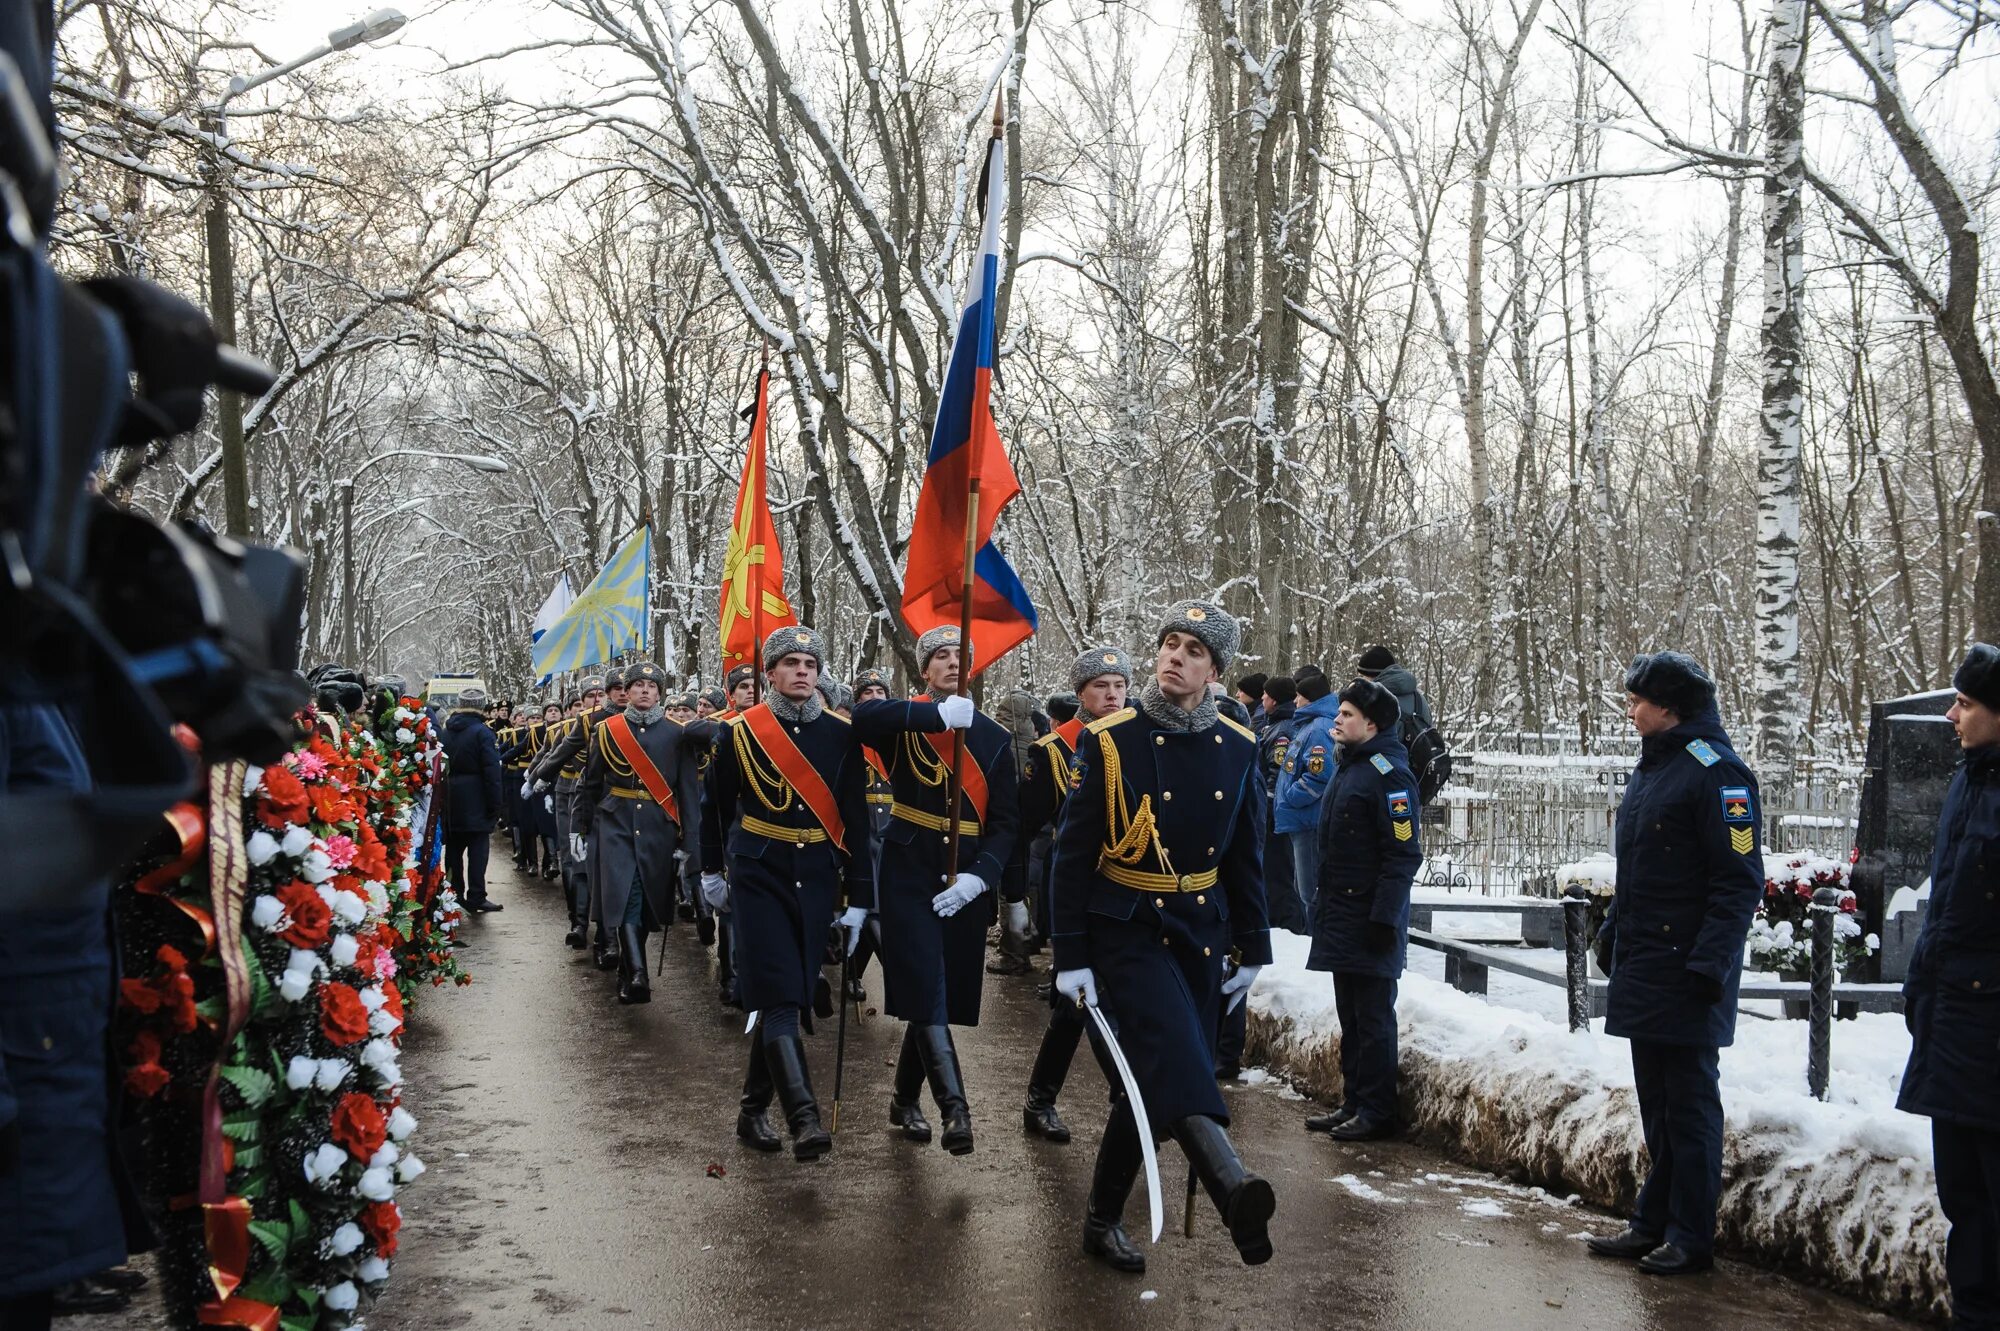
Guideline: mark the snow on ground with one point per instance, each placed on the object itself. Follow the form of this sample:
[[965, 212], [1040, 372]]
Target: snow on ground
[[1843, 1189]]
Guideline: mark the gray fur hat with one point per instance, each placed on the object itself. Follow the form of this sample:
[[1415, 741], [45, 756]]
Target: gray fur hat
[[1216, 627], [716, 698], [1097, 662], [935, 641], [837, 694], [797, 638]]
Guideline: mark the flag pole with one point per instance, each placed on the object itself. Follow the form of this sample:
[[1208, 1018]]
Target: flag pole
[[757, 593]]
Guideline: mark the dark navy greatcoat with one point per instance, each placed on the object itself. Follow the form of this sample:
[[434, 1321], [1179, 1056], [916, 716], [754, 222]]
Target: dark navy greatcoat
[[1690, 875], [1045, 781], [631, 837], [1369, 853], [785, 893], [932, 967], [1951, 1000], [473, 774], [1158, 956]]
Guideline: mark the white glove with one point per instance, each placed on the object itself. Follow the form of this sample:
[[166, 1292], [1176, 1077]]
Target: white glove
[[853, 919], [1238, 985], [680, 857], [543, 784], [964, 890], [957, 712], [1017, 919], [527, 790], [715, 891], [549, 803], [579, 848], [1080, 986]]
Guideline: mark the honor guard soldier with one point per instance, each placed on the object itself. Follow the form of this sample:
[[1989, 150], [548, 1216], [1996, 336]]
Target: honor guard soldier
[[870, 685], [1158, 877], [541, 809], [713, 919], [515, 758], [934, 923], [1369, 853], [564, 760], [1949, 1001], [1690, 875], [710, 701], [639, 781], [1101, 678], [786, 791]]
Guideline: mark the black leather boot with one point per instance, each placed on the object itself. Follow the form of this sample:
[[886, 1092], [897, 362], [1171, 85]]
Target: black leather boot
[[1118, 1161], [787, 1058], [947, 1088], [634, 984], [1244, 1200], [752, 1128], [904, 1111], [605, 950], [1045, 1083]]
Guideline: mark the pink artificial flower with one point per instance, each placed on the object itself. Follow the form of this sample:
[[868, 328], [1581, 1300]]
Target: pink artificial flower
[[340, 850], [309, 766]]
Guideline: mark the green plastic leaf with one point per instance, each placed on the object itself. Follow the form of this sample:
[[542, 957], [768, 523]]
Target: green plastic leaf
[[275, 1236], [298, 1322], [301, 1222], [253, 1084], [249, 1157], [251, 1189], [243, 1127], [212, 1009], [272, 1287]]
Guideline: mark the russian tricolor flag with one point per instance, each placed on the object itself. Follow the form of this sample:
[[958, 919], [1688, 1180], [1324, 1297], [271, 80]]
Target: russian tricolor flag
[[965, 444]]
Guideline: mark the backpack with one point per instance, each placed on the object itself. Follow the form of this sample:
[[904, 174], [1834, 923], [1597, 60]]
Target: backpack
[[1430, 756]]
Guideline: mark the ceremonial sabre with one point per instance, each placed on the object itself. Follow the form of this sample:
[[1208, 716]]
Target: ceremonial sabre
[[1139, 1119], [840, 1043]]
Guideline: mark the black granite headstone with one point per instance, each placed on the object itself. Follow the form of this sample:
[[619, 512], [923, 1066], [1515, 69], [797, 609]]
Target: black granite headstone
[[1912, 752]]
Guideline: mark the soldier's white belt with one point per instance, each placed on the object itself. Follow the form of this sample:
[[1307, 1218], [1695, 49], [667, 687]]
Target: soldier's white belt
[[932, 821], [1140, 881], [803, 836]]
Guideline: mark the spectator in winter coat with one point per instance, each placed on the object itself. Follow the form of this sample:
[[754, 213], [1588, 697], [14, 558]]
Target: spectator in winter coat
[[1368, 857], [1250, 692], [1951, 1001], [1379, 664], [472, 798], [1280, 704], [1308, 768], [1689, 878]]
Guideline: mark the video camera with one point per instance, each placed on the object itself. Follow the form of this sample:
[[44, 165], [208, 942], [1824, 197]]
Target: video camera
[[127, 625]]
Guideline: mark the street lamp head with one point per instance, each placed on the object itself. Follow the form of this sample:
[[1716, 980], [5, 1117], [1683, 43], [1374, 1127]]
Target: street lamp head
[[487, 464], [374, 28]]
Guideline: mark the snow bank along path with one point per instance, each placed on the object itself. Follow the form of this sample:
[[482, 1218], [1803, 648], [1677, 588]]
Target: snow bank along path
[[1841, 1191]]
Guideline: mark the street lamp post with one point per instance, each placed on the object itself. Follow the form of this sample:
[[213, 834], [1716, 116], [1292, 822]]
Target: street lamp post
[[350, 650], [222, 256]]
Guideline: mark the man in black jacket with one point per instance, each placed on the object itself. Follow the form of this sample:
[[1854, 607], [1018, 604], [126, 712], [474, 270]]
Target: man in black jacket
[[472, 798]]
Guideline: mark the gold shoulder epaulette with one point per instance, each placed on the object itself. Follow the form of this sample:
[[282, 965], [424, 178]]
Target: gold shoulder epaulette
[[1104, 723], [1238, 727], [1048, 741]]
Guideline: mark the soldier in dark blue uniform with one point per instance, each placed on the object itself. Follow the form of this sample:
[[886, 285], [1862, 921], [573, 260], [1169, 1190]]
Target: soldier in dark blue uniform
[[1101, 677], [934, 924], [1690, 875], [1951, 1001], [787, 788], [1369, 852], [1158, 877], [869, 685], [561, 765]]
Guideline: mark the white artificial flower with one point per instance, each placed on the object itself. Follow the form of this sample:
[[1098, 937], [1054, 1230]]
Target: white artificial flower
[[389, 1075], [377, 1052], [262, 847], [297, 841], [405, 714], [378, 898], [267, 913], [347, 908], [377, 1185], [373, 1270], [371, 997], [299, 1073], [342, 1298], [253, 780], [346, 1239], [303, 959], [316, 867], [401, 1123], [344, 949], [293, 986], [404, 735], [408, 1168], [324, 1162], [383, 1022], [384, 1157], [331, 1072]]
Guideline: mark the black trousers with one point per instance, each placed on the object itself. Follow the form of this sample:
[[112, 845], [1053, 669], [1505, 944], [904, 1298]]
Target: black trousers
[[1230, 1039], [1968, 1183], [1366, 1005], [1680, 1111], [465, 864]]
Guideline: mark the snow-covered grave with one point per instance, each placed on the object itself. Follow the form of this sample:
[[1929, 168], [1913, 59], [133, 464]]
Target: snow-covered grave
[[1841, 1189]]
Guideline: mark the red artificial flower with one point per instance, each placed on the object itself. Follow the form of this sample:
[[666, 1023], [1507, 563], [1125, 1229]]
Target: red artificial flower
[[342, 1018], [380, 1221], [358, 1127], [392, 1003], [371, 859], [285, 800], [312, 918], [145, 1078], [177, 997], [330, 805], [171, 957], [139, 995]]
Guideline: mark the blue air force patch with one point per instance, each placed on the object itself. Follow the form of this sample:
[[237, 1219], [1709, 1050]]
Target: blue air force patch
[[1399, 804], [1736, 804]]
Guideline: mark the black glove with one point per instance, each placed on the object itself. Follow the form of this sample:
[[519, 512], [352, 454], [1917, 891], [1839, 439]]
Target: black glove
[[1706, 989], [1381, 937], [1604, 950]]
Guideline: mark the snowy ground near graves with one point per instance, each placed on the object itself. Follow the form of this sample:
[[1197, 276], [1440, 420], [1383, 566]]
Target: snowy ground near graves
[[1842, 1190]]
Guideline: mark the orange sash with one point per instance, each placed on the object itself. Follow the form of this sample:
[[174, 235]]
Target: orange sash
[[1071, 731], [784, 753], [973, 776], [875, 761], [642, 765]]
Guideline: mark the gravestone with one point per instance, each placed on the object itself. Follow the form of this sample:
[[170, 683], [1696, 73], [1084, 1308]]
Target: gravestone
[[1912, 753]]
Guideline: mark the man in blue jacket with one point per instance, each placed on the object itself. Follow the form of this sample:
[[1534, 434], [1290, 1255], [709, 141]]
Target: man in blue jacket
[[1951, 1001], [1689, 878], [1302, 782], [1369, 853]]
